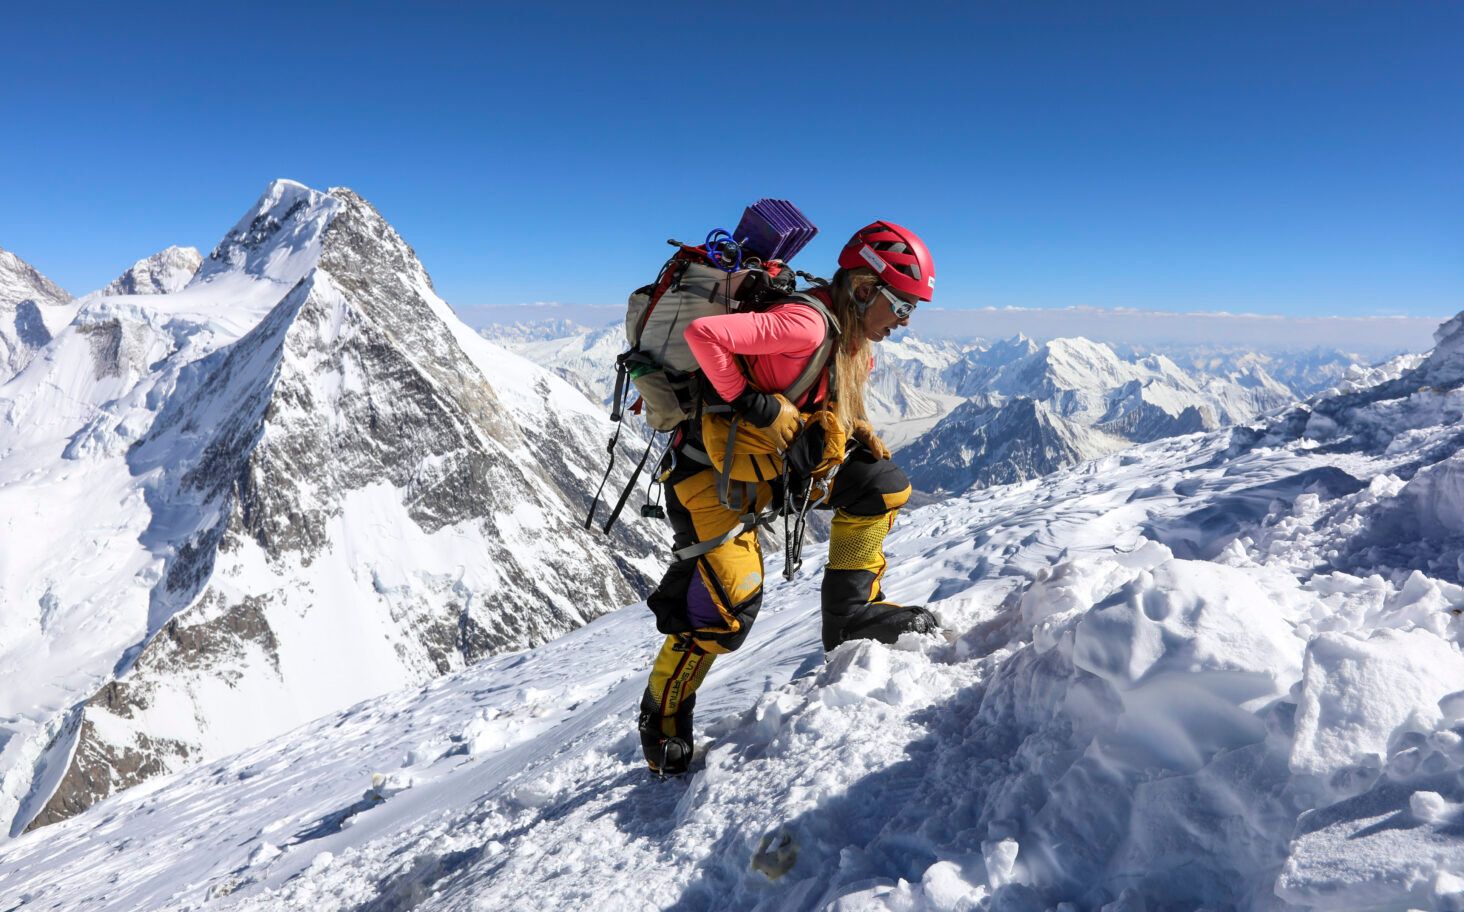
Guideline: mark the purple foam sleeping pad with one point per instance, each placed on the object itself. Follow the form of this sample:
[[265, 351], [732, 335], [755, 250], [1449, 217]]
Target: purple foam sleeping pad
[[774, 229]]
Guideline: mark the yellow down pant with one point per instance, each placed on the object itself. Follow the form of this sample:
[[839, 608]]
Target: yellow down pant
[[716, 595], [707, 604]]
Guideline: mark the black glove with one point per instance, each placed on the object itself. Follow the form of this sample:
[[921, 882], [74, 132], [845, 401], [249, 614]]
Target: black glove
[[757, 409]]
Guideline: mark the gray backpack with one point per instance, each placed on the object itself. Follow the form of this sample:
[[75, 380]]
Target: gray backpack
[[660, 363]]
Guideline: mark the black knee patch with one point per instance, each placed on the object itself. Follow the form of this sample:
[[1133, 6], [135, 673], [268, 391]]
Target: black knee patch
[[668, 604], [745, 613], [668, 601], [864, 484]]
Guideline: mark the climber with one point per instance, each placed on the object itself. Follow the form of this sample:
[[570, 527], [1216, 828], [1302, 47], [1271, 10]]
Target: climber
[[728, 467]]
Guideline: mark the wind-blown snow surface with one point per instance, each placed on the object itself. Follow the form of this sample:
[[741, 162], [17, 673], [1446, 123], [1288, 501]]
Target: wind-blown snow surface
[[297, 482], [1216, 671]]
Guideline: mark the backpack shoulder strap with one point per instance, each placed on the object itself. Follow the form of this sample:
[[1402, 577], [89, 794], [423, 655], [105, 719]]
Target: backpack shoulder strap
[[805, 380]]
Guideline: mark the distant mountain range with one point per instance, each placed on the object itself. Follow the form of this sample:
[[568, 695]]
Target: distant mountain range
[[962, 415]]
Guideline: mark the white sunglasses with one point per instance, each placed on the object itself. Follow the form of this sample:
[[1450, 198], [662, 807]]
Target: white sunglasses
[[898, 305]]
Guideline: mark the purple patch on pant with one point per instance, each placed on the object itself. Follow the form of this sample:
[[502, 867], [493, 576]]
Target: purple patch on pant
[[699, 605]]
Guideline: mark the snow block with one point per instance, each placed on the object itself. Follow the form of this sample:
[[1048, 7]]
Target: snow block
[[1355, 694], [1193, 650]]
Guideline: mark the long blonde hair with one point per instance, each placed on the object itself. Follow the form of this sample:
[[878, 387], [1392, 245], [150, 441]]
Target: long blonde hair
[[851, 358]]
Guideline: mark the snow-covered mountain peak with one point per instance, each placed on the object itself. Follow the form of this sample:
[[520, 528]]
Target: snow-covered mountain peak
[[930, 353], [302, 476], [1075, 363], [278, 238], [1079, 347], [20, 281], [1253, 375], [32, 310], [166, 271], [1164, 366], [1014, 347]]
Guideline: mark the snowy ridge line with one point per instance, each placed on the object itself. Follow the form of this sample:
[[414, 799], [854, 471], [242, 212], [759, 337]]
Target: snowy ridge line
[[32, 310], [164, 272]]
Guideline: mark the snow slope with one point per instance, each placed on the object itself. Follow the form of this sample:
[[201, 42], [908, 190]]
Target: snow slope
[[1216, 671]]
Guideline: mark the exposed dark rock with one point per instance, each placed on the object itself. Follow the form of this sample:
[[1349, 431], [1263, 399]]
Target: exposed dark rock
[[99, 769], [30, 328], [978, 446]]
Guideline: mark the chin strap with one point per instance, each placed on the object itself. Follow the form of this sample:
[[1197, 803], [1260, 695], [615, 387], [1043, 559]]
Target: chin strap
[[845, 286]]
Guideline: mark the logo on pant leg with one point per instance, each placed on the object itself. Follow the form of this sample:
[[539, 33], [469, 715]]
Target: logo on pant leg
[[747, 587]]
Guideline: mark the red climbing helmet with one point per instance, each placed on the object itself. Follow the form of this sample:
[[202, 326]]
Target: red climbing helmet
[[896, 255]]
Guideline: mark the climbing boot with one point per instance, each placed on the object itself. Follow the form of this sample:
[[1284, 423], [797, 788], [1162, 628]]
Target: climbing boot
[[881, 621], [666, 740]]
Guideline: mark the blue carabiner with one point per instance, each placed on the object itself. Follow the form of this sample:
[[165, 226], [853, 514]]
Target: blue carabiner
[[721, 248]]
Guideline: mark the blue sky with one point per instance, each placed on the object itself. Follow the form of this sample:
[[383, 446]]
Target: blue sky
[[1283, 158]]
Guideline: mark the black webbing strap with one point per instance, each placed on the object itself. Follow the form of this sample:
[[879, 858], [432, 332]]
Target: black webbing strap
[[724, 477], [617, 402], [614, 438], [629, 486]]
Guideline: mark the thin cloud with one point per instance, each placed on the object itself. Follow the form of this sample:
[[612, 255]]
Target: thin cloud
[[1367, 335], [1372, 336]]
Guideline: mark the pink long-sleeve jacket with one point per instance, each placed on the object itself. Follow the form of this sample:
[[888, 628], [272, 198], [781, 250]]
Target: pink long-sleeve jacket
[[775, 344]]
